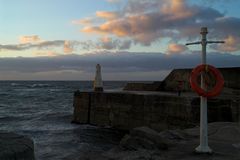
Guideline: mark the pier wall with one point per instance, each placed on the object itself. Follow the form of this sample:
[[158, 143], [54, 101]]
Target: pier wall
[[124, 110], [170, 83], [231, 77]]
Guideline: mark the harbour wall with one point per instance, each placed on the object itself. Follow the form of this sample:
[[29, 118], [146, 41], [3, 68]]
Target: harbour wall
[[170, 83], [127, 110], [231, 78]]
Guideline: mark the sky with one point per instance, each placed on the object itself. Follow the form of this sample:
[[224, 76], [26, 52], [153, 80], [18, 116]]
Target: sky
[[131, 39]]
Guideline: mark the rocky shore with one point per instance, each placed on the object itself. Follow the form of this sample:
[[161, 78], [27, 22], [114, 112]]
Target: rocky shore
[[143, 143]]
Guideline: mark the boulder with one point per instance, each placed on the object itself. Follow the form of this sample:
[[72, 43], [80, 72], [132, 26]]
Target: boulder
[[143, 138], [16, 147], [141, 144], [173, 135], [141, 154]]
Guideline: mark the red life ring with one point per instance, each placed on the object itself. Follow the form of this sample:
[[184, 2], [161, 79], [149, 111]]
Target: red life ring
[[216, 73]]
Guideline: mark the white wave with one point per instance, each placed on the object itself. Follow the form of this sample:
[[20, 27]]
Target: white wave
[[15, 84], [40, 85]]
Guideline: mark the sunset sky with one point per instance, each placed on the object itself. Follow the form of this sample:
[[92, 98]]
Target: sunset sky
[[131, 39]]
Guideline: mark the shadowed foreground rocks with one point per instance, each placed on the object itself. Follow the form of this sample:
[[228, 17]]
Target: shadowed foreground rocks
[[146, 144], [16, 147], [145, 138]]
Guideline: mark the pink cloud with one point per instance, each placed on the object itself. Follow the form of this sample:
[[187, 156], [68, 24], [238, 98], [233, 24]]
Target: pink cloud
[[107, 15], [176, 9], [67, 48], [145, 21], [45, 53], [29, 39], [232, 44], [149, 21], [138, 27], [84, 21], [176, 48]]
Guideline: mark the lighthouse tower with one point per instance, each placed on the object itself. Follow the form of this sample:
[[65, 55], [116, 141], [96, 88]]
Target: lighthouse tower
[[98, 84]]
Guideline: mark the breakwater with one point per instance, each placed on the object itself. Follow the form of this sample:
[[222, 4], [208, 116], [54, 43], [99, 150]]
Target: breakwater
[[162, 110]]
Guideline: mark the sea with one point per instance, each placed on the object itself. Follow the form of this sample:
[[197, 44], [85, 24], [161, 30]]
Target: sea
[[42, 110]]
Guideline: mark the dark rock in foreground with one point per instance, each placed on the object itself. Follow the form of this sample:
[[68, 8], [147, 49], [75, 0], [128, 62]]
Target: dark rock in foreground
[[145, 138], [224, 139], [16, 147]]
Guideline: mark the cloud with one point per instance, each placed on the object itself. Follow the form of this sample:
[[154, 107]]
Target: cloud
[[146, 26], [68, 47], [26, 46], [107, 15], [177, 9], [84, 21], [149, 21], [29, 39], [114, 64], [45, 53], [100, 15], [113, 1], [46, 44], [42, 48], [217, 2], [103, 43], [232, 44], [176, 48], [110, 44]]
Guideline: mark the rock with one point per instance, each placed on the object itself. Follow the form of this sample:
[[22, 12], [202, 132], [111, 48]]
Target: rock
[[172, 135], [135, 143], [145, 138], [213, 128], [236, 145], [227, 133], [224, 139], [141, 154], [16, 147]]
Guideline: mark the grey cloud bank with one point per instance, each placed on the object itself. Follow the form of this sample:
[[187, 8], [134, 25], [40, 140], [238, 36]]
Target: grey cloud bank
[[115, 65]]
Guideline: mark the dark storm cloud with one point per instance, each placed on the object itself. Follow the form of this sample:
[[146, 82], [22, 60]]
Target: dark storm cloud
[[114, 62]]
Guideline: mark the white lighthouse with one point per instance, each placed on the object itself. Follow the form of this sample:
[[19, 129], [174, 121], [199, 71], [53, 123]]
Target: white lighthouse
[[98, 84]]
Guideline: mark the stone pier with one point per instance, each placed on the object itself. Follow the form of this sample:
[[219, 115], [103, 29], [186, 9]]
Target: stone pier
[[157, 110]]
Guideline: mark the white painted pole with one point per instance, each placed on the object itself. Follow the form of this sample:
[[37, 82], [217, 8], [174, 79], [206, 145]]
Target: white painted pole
[[203, 147]]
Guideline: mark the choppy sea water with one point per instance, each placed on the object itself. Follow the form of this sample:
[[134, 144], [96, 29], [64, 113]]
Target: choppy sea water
[[43, 111]]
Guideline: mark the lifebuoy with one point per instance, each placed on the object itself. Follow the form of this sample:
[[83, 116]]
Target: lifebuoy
[[216, 73]]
